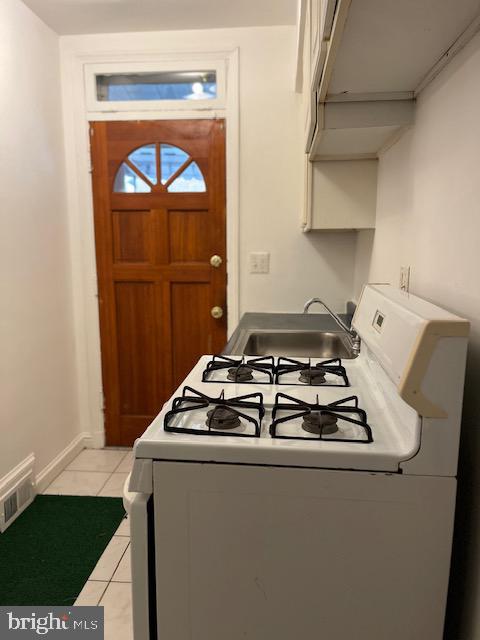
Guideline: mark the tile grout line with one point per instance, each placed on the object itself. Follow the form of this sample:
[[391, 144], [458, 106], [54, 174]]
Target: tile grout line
[[93, 580], [118, 563], [121, 558], [103, 592], [89, 579], [126, 454], [97, 495], [109, 583], [112, 473], [116, 566], [126, 549]]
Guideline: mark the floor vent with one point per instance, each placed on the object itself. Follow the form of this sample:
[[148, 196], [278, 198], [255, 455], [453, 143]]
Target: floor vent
[[16, 499], [10, 507]]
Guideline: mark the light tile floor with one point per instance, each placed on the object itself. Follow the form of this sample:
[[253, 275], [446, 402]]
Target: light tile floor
[[94, 472], [102, 472]]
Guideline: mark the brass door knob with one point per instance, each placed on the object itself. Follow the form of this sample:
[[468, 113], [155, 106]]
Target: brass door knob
[[216, 312], [216, 261]]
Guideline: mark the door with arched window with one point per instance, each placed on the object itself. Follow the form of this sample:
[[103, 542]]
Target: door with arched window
[[159, 209]]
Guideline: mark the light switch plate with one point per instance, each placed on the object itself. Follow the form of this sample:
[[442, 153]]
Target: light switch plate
[[259, 262]]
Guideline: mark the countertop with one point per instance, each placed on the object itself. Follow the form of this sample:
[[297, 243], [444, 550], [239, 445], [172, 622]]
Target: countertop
[[285, 321]]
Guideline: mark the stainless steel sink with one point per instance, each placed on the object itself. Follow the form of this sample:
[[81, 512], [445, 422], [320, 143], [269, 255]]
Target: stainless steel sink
[[321, 344]]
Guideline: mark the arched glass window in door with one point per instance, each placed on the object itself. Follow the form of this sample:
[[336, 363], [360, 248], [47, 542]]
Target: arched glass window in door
[[159, 167]]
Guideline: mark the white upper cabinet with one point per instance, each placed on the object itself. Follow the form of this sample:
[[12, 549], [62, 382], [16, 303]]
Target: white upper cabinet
[[315, 28], [376, 51], [344, 194], [309, 95], [321, 21], [364, 63], [318, 27], [321, 12]]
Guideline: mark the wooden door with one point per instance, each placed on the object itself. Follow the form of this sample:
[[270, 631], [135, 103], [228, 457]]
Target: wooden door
[[159, 208]]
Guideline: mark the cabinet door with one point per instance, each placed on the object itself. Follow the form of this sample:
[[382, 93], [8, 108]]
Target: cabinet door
[[316, 48], [321, 20], [309, 100], [344, 194], [306, 212], [310, 119], [315, 29], [327, 14]]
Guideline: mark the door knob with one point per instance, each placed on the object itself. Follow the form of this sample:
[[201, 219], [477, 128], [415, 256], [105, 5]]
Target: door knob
[[216, 261], [216, 312]]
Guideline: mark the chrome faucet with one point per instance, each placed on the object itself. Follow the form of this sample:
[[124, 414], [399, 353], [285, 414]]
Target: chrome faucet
[[351, 332]]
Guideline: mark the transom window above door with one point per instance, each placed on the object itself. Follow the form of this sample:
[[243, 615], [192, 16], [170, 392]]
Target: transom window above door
[[163, 85], [174, 82], [159, 167]]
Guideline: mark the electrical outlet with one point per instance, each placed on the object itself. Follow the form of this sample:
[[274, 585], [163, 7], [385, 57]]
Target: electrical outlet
[[405, 278], [259, 262]]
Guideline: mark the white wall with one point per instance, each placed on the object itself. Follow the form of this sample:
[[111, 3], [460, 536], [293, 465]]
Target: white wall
[[428, 217], [38, 411], [271, 186]]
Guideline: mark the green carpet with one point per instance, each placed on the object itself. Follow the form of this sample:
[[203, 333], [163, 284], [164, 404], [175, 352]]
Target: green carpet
[[48, 553]]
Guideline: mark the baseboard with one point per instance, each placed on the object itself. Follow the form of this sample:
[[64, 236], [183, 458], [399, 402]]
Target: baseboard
[[84, 440], [12, 478], [16, 482], [25, 468], [58, 464]]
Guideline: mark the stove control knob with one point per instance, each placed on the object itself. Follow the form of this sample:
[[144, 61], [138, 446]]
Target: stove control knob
[[216, 261], [217, 312]]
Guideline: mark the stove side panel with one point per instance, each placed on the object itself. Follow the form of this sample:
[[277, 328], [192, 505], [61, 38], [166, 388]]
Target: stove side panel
[[267, 552]]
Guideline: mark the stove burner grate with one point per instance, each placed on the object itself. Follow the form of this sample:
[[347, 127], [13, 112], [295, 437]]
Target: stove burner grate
[[240, 370], [222, 414], [311, 374], [320, 419]]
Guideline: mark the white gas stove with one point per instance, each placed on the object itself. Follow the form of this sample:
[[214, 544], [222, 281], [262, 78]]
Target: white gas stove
[[337, 418], [255, 459]]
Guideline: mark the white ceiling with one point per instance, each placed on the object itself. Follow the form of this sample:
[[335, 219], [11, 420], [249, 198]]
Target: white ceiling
[[110, 16]]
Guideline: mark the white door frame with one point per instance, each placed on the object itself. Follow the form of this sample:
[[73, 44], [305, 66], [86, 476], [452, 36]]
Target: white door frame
[[80, 206]]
